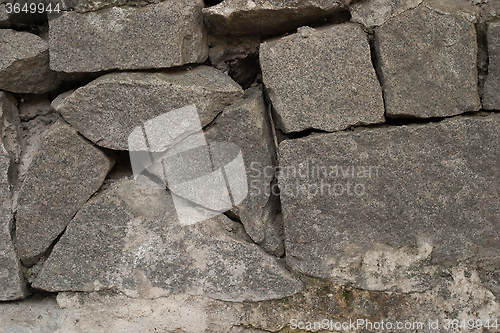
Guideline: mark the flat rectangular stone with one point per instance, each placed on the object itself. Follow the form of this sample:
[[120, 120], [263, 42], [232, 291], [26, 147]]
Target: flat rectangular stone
[[428, 64], [491, 99], [160, 35], [385, 209]]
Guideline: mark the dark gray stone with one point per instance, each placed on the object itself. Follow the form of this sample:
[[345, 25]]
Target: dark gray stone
[[389, 208], [24, 66], [65, 172], [246, 123], [335, 89], [267, 17], [130, 239], [122, 38], [428, 64], [108, 109], [13, 284], [491, 99]]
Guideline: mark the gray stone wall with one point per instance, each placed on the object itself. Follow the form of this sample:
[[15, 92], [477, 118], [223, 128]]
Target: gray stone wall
[[250, 166]]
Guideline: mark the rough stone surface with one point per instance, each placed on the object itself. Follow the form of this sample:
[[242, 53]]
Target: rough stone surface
[[491, 99], [388, 209], [246, 123], [373, 13], [460, 295], [332, 90], [65, 172], [130, 239], [24, 66], [10, 125], [428, 64], [259, 17], [108, 109], [13, 285], [121, 38]]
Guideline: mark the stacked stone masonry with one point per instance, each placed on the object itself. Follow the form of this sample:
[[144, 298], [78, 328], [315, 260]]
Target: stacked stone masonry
[[249, 166]]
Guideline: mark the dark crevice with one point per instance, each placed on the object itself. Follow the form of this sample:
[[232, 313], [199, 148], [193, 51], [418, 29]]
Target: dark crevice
[[412, 120], [482, 56], [232, 216], [210, 3]]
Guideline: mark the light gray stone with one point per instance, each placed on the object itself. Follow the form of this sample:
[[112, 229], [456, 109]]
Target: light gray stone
[[388, 209], [260, 17], [322, 79], [31, 106], [108, 109], [122, 38], [130, 239], [428, 64], [65, 172], [11, 125], [373, 13], [491, 99], [246, 123], [24, 66]]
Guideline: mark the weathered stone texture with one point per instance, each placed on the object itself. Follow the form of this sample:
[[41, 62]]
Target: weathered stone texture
[[387, 209], [322, 79], [10, 126], [108, 109], [24, 65], [259, 17], [13, 284], [428, 64], [246, 123], [130, 239], [166, 34], [65, 172], [491, 99], [374, 13]]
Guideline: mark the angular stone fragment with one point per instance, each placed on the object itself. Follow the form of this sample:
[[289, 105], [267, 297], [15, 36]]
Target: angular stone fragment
[[491, 99], [259, 17], [13, 284], [10, 125], [65, 172], [428, 64], [4, 17], [130, 239], [24, 65], [108, 109], [373, 13], [166, 34], [246, 123], [386, 209], [322, 79]]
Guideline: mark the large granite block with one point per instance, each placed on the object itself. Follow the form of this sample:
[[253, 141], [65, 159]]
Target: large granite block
[[387, 209], [166, 34]]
